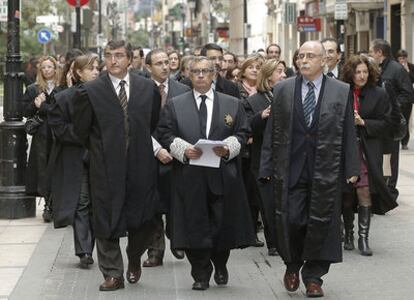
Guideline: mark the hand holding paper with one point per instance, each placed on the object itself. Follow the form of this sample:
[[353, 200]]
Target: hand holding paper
[[210, 153]]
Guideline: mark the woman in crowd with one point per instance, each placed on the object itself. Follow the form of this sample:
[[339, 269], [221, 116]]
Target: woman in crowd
[[36, 102], [247, 86], [174, 58], [233, 74], [184, 70], [257, 109], [69, 161], [372, 115]]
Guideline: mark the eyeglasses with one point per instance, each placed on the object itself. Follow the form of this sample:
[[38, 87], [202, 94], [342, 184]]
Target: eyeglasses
[[213, 58], [116, 56], [201, 71], [308, 55]]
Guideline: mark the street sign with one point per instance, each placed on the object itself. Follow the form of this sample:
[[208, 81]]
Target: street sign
[[73, 2], [341, 10], [308, 24], [290, 13], [44, 36]]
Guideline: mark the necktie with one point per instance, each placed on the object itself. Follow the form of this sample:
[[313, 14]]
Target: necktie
[[309, 104], [163, 94], [124, 105], [330, 74], [203, 116]]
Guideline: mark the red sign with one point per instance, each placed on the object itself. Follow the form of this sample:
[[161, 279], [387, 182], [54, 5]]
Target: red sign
[[73, 2], [308, 24]]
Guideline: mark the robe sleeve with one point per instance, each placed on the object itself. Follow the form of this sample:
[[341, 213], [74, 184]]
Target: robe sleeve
[[351, 157], [82, 116], [156, 107], [265, 168]]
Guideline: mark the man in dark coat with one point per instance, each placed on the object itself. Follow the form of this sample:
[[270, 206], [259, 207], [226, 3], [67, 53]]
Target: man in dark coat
[[219, 84], [114, 117], [157, 64], [209, 209], [309, 149], [333, 57], [394, 74]]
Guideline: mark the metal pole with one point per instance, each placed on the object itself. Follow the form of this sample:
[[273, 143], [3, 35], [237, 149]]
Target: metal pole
[[13, 142], [100, 27], [77, 40], [245, 47]]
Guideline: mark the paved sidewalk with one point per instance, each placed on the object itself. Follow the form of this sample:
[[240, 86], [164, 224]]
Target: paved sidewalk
[[52, 272]]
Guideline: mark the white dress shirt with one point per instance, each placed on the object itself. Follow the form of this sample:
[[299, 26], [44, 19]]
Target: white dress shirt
[[209, 105]]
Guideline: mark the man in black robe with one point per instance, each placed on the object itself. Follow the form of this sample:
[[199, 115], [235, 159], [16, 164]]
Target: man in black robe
[[114, 116], [309, 150], [209, 209]]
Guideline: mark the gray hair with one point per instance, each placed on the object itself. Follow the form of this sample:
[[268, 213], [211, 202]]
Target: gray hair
[[323, 51], [198, 59]]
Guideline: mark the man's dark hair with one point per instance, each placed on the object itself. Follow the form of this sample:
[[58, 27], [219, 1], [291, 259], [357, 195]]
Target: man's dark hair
[[232, 54], [141, 51], [112, 45], [148, 58], [272, 45], [338, 49], [210, 46], [72, 54], [383, 45], [401, 53]]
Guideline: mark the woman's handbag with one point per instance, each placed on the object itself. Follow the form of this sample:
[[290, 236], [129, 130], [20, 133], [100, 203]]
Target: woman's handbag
[[32, 124], [400, 129]]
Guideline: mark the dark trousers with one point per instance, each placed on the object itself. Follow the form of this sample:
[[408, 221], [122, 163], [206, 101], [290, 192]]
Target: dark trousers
[[157, 245], [406, 109], [109, 252], [299, 201], [268, 209], [202, 261], [82, 223], [395, 157]]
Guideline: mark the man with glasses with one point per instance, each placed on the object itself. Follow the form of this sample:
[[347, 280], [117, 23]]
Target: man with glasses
[[333, 57], [209, 210], [309, 151], [157, 63], [114, 116]]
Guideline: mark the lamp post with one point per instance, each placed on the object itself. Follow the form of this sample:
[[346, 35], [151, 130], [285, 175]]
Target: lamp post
[[14, 203]]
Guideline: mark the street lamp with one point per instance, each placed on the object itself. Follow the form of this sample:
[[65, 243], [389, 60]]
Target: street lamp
[[14, 203]]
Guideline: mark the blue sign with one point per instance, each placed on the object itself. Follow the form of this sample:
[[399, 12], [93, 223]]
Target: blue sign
[[44, 36]]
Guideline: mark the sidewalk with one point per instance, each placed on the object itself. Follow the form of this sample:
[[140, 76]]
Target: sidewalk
[[52, 273]]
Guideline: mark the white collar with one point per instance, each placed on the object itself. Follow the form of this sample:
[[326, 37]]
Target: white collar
[[116, 80], [209, 94]]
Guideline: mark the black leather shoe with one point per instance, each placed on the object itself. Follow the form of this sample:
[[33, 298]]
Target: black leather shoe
[[178, 254], [272, 252], [47, 215], [221, 276], [85, 260], [313, 290], [258, 243], [200, 285], [133, 273], [152, 261], [112, 284]]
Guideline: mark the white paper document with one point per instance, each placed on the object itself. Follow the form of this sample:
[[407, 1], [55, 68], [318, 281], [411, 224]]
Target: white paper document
[[208, 158]]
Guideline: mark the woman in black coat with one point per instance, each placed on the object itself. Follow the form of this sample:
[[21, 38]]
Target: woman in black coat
[[372, 110], [69, 161], [257, 109], [36, 102]]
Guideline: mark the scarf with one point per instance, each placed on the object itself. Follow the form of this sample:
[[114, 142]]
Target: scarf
[[356, 92], [250, 89]]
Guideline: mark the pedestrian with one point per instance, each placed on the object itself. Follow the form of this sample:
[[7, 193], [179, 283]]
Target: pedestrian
[[273, 51], [333, 57], [36, 102], [309, 149], [406, 108], [184, 70], [114, 116], [157, 63], [372, 111], [393, 74], [174, 58], [257, 109], [209, 210], [66, 77], [69, 165]]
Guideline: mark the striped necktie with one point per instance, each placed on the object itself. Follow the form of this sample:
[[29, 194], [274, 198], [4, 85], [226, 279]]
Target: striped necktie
[[309, 104], [124, 105]]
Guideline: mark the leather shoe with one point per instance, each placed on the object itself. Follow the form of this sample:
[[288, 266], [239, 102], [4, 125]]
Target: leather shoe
[[178, 254], [258, 243], [152, 261], [313, 290], [112, 284], [221, 276], [85, 260], [133, 273], [272, 252], [291, 281], [200, 285]]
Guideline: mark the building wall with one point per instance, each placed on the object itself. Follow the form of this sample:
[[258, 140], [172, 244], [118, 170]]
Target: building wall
[[236, 29]]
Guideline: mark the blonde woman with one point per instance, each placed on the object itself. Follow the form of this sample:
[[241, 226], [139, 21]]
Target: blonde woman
[[36, 102], [257, 109]]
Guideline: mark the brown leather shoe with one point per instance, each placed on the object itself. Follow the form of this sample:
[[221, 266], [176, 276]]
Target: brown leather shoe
[[133, 273], [313, 290], [112, 284], [152, 261], [291, 281]]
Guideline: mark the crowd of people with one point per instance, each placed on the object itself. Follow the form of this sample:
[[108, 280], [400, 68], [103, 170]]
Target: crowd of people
[[207, 149]]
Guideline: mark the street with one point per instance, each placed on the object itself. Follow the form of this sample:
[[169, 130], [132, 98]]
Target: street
[[37, 262]]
